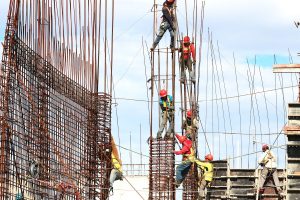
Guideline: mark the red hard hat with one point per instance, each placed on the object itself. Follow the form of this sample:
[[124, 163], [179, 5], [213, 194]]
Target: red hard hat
[[209, 157], [264, 147], [169, 2], [189, 113], [186, 39], [163, 93]]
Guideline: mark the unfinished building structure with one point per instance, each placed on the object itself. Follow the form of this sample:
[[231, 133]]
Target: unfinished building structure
[[55, 122]]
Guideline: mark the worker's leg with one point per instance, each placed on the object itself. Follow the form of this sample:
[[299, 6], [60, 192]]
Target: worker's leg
[[182, 70], [112, 177], [262, 178], [163, 121], [172, 35], [191, 71], [181, 171], [162, 29], [202, 187], [171, 124], [276, 180]]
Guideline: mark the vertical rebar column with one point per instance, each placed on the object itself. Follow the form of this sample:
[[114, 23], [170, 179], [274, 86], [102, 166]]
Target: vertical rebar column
[[104, 143]]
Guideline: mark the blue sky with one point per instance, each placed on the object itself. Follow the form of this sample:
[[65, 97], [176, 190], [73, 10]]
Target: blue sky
[[247, 28]]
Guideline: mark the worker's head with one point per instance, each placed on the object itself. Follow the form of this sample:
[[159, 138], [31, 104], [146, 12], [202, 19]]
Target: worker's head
[[163, 93], [169, 2], [209, 157], [264, 147], [189, 114], [186, 41]]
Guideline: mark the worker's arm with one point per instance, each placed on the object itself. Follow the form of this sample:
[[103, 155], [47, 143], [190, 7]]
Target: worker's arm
[[263, 159], [193, 52], [195, 123], [184, 150], [183, 126], [200, 163]]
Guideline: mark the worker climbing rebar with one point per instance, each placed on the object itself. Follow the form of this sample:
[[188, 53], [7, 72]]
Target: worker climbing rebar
[[188, 158], [167, 114], [187, 58], [167, 23], [205, 175], [190, 124], [268, 162]]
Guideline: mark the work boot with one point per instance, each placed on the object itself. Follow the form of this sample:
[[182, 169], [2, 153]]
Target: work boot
[[148, 140], [280, 193], [169, 135], [177, 183], [193, 79], [111, 190], [261, 190], [158, 136]]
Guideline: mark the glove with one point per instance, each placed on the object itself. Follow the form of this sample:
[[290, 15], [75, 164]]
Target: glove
[[177, 152], [194, 62]]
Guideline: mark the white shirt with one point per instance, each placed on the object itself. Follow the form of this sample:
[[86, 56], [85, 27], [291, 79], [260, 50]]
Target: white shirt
[[269, 159]]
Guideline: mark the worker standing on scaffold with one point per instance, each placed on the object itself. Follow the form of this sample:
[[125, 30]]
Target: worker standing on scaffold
[[268, 162], [188, 158], [206, 174], [167, 23], [187, 50], [167, 114], [190, 125]]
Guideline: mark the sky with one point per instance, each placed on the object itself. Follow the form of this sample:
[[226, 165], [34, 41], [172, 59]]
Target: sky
[[254, 31]]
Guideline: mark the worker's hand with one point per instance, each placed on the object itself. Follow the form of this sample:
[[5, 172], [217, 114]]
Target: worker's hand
[[194, 62], [177, 152], [171, 108]]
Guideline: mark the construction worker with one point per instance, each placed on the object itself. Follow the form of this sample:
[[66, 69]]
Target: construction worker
[[207, 170], [167, 113], [188, 158], [116, 172], [187, 50], [167, 23], [269, 165], [190, 126]]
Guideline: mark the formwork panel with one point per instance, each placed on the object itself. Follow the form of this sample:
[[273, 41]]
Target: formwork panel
[[55, 134]]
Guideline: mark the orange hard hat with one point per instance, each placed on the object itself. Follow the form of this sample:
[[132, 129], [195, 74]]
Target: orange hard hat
[[186, 39], [163, 93], [209, 157], [189, 114], [264, 147], [170, 1]]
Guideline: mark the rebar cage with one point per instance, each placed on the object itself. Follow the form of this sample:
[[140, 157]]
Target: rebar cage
[[55, 134]]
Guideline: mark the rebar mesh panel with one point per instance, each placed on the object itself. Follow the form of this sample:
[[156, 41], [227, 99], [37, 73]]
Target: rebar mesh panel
[[55, 134], [162, 165]]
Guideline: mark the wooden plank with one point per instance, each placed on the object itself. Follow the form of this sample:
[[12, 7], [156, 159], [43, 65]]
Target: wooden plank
[[286, 68]]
